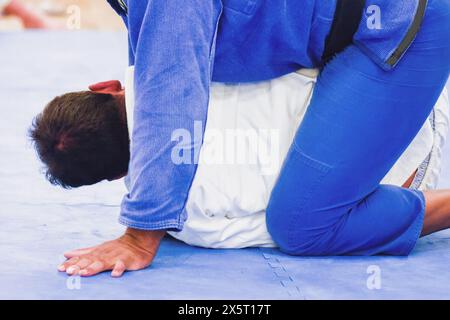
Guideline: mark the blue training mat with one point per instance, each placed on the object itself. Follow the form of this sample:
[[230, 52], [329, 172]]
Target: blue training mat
[[39, 222]]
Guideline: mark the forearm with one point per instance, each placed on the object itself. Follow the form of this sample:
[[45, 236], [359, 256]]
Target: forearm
[[174, 52]]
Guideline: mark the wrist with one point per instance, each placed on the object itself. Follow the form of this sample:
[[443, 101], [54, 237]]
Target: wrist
[[146, 236]]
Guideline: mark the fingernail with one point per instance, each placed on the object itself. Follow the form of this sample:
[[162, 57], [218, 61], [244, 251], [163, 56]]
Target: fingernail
[[70, 270], [61, 268], [83, 272]]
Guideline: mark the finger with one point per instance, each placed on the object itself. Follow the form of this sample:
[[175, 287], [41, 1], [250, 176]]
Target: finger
[[78, 252], [79, 265], [73, 270], [119, 269], [83, 263], [63, 267], [93, 269]]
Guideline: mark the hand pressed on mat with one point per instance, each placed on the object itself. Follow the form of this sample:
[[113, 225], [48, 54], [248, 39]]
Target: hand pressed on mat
[[134, 250]]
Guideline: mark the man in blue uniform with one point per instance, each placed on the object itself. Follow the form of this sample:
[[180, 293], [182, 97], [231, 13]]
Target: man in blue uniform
[[384, 64]]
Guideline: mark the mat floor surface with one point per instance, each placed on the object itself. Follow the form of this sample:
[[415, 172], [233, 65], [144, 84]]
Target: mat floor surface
[[40, 221]]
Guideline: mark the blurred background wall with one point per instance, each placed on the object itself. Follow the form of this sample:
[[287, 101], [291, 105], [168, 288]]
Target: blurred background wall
[[93, 14]]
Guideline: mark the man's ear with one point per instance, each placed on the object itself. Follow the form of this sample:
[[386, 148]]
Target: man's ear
[[106, 86]]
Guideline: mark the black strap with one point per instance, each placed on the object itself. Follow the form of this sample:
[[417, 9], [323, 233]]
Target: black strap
[[118, 7], [346, 22]]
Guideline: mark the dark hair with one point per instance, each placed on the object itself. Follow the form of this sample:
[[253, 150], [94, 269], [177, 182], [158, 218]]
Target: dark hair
[[82, 139]]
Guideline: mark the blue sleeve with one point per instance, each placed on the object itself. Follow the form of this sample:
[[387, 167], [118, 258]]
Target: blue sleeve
[[173, 44]]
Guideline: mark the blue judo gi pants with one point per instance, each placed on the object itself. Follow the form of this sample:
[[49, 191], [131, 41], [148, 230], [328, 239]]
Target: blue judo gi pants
[[328, 199]]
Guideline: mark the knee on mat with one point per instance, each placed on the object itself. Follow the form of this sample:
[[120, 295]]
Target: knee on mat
[[294, 240], [277, 222], [302, 235], [301, 243]]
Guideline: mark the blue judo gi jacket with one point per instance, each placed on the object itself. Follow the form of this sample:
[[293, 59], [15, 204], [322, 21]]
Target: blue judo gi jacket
[[179, 46]]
